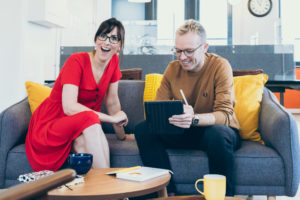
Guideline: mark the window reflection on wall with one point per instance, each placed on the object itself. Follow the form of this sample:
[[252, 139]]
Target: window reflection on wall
[[214, 20], [149, 36], [290, 16], [170, 15]]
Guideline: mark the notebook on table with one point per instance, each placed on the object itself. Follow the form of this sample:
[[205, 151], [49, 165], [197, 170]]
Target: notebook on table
[[158, 113]]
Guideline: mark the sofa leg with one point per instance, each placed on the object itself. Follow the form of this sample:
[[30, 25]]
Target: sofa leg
[[250, 197], [271, 197]]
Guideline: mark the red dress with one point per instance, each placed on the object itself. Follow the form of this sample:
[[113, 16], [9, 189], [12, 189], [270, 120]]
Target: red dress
[[51, 131]]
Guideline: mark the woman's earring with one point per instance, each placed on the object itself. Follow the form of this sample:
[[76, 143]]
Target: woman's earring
[[95, 48]]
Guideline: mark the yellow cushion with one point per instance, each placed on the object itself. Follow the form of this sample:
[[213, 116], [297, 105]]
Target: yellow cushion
[[152, 83], [37, 93], [248, 93]]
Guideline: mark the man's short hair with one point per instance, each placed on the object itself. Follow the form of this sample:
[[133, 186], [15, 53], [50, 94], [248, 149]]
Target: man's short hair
[[193, 26]]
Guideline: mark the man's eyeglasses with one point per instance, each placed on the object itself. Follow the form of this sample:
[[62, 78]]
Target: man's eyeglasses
[[187, 52], [114, 39]]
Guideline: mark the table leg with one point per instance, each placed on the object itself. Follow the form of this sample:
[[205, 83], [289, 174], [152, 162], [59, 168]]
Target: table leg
[[163, 192]]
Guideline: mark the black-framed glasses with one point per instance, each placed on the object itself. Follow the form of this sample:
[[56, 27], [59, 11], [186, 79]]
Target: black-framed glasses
[[187, 52], [114, 39]]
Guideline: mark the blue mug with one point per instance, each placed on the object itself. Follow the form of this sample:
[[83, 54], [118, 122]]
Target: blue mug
[[80, 162]]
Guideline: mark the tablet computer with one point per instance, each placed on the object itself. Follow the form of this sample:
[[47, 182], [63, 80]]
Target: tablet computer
[[158, 113]]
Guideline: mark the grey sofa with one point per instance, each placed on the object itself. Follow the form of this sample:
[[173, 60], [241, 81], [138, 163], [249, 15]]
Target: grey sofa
[[272, 169]]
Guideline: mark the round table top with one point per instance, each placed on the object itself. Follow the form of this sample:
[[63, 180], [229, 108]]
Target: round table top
[[98, 185]]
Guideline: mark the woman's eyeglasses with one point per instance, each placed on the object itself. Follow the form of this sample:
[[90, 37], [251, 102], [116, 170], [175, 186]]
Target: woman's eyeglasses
[[114, 39], [187, 52]]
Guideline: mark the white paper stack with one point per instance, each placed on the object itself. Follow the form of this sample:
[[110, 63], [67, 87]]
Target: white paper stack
[[142, 173]]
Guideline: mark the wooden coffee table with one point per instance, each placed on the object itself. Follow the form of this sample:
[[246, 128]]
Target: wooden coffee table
[[98, 185]]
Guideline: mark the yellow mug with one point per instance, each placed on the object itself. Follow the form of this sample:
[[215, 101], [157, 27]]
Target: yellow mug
[[214, 186]]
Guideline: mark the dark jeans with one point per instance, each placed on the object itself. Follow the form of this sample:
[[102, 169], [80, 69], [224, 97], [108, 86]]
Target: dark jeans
[[218, 141]]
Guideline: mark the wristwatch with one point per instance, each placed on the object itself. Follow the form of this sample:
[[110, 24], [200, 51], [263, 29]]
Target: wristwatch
[[195, 120]]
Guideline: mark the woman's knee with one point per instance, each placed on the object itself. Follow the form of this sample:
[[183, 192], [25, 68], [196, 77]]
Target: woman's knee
[[92, 131]]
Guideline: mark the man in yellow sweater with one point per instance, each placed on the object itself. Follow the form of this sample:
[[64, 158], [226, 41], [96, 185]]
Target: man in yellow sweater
[[209, 120]]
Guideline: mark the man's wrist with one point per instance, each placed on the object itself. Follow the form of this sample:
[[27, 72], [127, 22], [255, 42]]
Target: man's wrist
[[195, 120]]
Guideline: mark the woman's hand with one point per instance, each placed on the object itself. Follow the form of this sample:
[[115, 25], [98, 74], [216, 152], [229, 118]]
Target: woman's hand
[[183, 120], [120, 119]]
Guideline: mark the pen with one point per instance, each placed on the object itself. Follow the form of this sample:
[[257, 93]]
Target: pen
[[182, 94]]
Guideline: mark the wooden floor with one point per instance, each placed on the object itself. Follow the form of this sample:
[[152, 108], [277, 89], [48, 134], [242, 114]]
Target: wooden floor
[[297, 117]]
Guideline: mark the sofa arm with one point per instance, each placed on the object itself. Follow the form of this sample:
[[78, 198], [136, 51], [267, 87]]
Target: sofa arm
[[14, 123], [279, 131]]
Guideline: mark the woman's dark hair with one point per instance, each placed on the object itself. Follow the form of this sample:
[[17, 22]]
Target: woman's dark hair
[[108, 25]]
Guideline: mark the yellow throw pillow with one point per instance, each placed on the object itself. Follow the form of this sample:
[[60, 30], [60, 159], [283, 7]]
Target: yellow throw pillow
[[248, 93], [37, 93], [152, 83]]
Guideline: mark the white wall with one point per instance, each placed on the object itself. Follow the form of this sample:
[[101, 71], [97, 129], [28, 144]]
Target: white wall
[[26, 51], [245, 25], [30, 51], [10, 39]]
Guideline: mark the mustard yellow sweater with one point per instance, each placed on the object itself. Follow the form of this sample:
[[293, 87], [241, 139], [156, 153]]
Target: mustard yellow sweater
[[208, 91]]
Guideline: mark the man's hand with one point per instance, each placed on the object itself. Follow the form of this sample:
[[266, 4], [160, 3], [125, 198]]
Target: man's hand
[[120, 119], [187, 109], [183, 120]]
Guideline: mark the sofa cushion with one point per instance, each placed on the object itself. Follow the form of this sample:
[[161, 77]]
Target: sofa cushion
[[37, 93], [123, 153], [257, 164]]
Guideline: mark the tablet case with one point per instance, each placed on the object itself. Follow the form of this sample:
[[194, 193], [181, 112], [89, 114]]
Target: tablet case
[[158, 113]]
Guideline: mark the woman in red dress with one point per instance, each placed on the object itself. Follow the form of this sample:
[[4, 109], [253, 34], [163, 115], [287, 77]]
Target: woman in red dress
[[70, 117]]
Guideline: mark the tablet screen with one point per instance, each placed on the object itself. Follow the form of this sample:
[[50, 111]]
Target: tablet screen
[[158, 113]]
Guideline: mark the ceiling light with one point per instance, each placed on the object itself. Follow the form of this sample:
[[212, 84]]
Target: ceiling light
[[139, 1]]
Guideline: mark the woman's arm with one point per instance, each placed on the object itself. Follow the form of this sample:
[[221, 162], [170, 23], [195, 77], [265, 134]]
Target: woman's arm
[[71, 106], [113, 107]]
